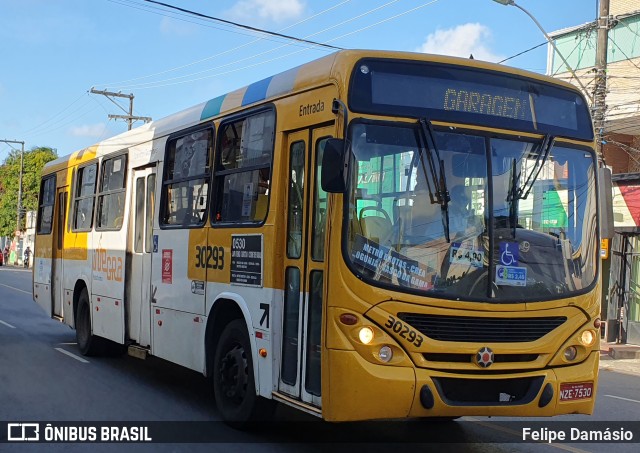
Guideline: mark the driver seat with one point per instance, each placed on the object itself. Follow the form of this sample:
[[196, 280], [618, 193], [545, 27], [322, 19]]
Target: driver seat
[[376, 228]]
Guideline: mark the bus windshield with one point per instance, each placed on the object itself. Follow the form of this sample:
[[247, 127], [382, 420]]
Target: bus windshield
[[425, 217]]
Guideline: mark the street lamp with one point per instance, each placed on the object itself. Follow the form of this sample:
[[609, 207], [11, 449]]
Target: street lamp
[[513, 3]]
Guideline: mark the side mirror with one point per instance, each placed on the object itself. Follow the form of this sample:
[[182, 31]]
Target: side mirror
[[334, 166], [605, 198]]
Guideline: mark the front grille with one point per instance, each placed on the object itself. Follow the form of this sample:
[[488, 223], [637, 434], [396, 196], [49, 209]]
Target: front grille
[[488, 392], [468, 358], [480, 329]]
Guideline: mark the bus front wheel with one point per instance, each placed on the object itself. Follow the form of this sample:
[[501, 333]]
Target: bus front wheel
[[233, 379], [88, 344]]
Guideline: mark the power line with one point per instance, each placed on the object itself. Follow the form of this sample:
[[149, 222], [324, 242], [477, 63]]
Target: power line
[[185, 78], [239, 25], [176, 68], [523, 52], [161, 83]]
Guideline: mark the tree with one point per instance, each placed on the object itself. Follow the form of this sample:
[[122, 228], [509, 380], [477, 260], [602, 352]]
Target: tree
[[34, 161]]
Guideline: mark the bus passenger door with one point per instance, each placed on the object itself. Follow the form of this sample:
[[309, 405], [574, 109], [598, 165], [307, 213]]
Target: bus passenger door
[[300, 367], [140, 248], [57, 259]]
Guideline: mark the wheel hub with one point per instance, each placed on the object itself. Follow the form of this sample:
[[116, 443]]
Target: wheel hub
[[234, 374]]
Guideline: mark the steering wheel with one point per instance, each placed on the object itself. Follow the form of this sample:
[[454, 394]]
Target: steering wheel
[[480, 278]]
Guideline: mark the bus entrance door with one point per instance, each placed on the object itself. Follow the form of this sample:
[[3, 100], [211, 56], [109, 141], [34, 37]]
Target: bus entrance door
[[141, 246], [300, 367], [57, 261]]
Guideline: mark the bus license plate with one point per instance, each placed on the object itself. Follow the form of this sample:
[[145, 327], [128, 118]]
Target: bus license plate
[[569, 392]]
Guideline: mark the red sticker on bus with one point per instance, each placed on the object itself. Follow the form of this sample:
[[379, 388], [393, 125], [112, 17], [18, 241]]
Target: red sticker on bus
[[167, 266]]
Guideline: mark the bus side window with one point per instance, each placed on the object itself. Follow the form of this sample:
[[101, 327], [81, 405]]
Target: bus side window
[[243, 170], [111, 196], [45, 208], [84, 195], [185, 188]]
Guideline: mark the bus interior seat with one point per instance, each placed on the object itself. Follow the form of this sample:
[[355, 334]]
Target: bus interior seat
[[375, 227]]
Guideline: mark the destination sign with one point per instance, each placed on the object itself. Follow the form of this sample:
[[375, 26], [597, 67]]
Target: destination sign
[[487, 103], [465, 94]]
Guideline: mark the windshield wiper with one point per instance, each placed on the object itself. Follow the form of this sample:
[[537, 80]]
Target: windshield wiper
[[545, 148], [512, 198], [441, 193]]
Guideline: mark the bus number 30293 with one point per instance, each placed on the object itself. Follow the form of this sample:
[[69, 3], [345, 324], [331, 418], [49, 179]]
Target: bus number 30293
[[209, 257]]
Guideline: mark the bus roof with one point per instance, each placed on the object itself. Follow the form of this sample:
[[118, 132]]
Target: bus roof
[[336, 66]]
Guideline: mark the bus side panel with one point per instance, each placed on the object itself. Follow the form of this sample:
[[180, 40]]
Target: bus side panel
[[178, 321], [179, 337]]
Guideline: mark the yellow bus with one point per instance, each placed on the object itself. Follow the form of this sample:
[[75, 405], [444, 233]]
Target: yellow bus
[[369, 235]]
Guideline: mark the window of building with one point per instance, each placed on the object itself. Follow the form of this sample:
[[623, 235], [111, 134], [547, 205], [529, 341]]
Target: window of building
[[111, 197], [83, 197], [45, 207], [185, 188], [243, 171]]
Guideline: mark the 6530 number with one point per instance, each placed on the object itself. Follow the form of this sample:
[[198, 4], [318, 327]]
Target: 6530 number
[[209, 257]]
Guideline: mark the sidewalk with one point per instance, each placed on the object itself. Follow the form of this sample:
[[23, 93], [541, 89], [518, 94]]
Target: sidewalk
[[621, 358], [16, 268]]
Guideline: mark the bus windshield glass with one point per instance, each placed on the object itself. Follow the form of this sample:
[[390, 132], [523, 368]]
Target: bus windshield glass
[[425, 217]]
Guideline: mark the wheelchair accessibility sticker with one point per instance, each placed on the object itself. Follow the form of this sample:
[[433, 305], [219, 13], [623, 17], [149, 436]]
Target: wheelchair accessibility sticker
[[509, 253], [511, 276]]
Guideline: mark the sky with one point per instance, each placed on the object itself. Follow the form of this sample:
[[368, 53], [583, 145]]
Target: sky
[[52, 52]]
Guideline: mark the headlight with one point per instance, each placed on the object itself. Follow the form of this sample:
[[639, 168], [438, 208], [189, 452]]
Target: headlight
[[570, 353], [385, 354], [588, 338], [365, 335]]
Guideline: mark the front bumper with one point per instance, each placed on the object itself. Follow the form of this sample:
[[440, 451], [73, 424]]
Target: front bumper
[[374, 391]]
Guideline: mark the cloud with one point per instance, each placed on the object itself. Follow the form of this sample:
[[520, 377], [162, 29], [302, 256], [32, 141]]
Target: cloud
[[461, 41], [89, 130], [267, 10]]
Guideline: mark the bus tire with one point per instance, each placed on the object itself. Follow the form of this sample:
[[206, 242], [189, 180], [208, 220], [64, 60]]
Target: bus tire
[[233, 379], [89, 344]]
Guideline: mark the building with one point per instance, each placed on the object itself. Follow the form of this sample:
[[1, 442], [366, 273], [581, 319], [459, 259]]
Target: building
[[619, 134]]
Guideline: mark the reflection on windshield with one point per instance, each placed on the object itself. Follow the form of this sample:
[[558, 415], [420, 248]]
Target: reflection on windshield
[[537, 241]]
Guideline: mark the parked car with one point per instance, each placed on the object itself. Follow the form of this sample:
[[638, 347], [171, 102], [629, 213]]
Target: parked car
[[1, 258]]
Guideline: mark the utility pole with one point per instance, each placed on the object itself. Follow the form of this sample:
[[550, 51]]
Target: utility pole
[[19, 209], [129, 117], [599, 106]]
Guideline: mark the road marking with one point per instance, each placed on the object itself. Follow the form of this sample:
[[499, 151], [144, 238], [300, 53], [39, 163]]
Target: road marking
[[79, 359], [7, 324], [17, 289], [519, 435], [621, 398]]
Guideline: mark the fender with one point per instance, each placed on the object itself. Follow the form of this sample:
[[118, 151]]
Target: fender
[[242, 305]]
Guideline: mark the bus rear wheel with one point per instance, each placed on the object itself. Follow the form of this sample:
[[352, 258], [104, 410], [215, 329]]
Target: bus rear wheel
[[233, 379], [88, 343]]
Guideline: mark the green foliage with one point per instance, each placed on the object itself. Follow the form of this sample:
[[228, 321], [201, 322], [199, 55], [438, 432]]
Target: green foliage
[[34, 160]]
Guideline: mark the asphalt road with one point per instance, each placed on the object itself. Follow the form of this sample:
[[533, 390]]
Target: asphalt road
[[43, 377]]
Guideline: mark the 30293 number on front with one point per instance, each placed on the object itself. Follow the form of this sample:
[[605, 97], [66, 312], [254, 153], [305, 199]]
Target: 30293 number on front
[[406, 332]]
